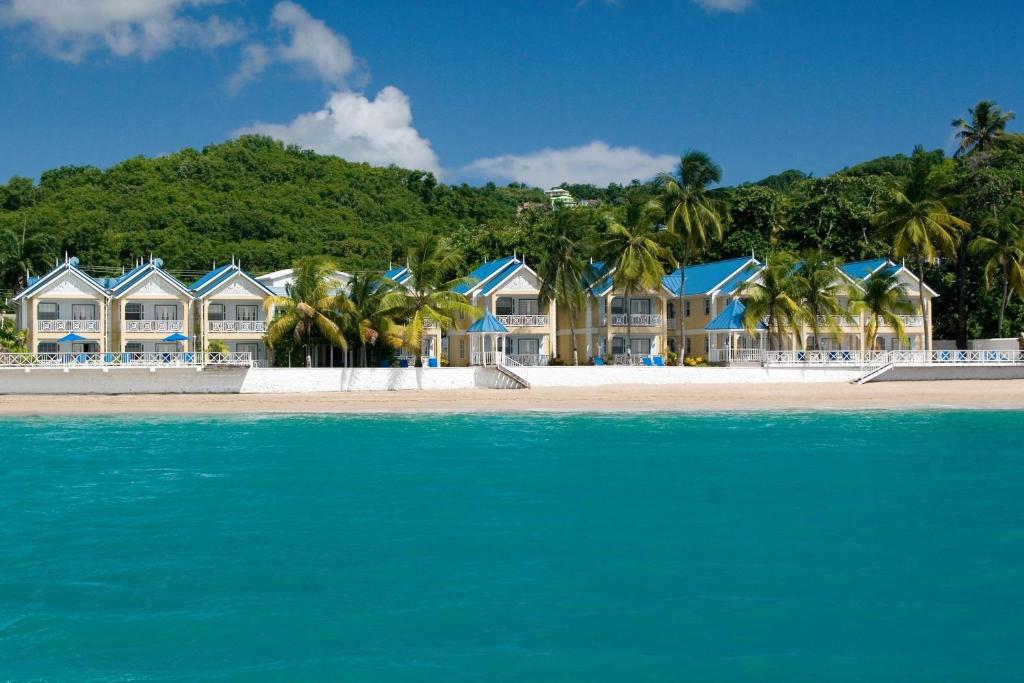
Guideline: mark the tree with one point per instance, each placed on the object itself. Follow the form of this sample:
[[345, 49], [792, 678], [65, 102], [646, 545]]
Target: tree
[[564, 272], [372, 318], [429, 297], [693, 217], [774, 297], [633, 252], [310, 307], [883, 297], [1003, 257], [986, 130], [12, 340], [921, 228], [819, 289]]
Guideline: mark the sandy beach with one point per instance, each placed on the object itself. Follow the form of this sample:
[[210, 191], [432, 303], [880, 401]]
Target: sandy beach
[[622, 398]]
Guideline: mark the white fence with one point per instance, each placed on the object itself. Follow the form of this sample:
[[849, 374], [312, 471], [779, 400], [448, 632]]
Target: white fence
[[636, 320], [527, 358], [733, 356], [530, 320], [256, 326], [901, 358], [125, 359], [154, 325], [67, 325]]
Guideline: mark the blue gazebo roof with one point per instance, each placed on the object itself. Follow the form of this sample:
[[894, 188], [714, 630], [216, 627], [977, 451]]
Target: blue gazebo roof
[[488, 324], [731, 319]]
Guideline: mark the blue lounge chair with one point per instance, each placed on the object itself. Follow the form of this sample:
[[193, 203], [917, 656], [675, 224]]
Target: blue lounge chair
[[403, 362], [647, 361], [598, 361], [659, 361], [432, 363]]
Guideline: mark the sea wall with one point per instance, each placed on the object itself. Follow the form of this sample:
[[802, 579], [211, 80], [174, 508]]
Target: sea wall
[[300, 380], [941, 372]]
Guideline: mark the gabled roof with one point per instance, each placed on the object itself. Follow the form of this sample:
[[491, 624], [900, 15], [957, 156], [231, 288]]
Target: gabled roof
[[484, 273], [731, 319], [69, 266], [219, 276], [601, 280], [858, 271], [126, 282], [705, 278], [401, 275], [487, 324]]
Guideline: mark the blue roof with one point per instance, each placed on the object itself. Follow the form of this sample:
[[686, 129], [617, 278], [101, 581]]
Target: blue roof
[[208, 277], [139, 273], [858, 270], [487, 324], [703, 278], [601, 280], [500, 277], [483, 272], [35, 282], [731, 319], [736, 281], [217, 276]]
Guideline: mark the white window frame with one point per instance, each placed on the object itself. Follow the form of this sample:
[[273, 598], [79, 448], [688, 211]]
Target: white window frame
[[75, 311], [160, 310], [245, 307], [47, 347], [221, 310], [130, 307]]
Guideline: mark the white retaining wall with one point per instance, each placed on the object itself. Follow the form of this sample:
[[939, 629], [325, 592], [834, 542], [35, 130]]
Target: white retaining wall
[[925, 373], [615, 374]]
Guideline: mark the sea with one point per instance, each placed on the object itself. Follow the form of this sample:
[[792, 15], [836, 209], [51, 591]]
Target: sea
[[826, 546]]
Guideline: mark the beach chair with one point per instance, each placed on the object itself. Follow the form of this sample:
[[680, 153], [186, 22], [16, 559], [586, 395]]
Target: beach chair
[[659, 361], [432, 363], [598, 361], [647, 361], [403, 362]]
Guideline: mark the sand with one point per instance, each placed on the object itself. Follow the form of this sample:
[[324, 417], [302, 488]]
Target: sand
[[622, 398]]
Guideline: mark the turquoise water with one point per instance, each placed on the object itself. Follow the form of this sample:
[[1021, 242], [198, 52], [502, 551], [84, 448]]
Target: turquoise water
[[827, 547]]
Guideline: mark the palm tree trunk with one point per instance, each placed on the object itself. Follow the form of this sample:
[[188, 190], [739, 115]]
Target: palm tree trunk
[[961, 299], [1005, 300], [680, 312], [309, 358], [629, 328], [925, 318], [572, 333]]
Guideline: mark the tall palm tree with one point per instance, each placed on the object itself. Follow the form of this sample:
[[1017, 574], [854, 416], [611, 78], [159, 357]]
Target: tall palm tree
[[985, 130], [565, 274], [921, 228], [774, 296], [633, 252], [693, 217], [310, 306], [372, 320], [820, 289], [1003, 256], [429, 297], [883, 297]]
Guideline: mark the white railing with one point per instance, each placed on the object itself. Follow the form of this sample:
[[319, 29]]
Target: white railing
[[527, 358], [841, 320], [734, 356], [632, 358], [67, 325], [912, 320], [523, 320], [125, 359], [486, 358], [255, 326], [871, 358], [636, 320], [154, 325]]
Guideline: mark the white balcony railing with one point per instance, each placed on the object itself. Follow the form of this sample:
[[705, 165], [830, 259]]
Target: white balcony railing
[[67, 325], [485, 357], [237, 326], [524, 320], [125, 359], [527, 358], [154, 325], [841, 320], [912, 320], [734, 356], [637, 320]]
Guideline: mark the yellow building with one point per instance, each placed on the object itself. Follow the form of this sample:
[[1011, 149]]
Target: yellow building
[[64, 311], [430, 341], [151, 311], [230, 309]]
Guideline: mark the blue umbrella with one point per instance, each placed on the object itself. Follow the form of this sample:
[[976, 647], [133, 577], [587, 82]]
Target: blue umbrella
[[177, 336], [71, 338]]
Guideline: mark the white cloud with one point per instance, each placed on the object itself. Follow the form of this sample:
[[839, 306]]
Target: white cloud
[[309, 45], [356, 128], [71, 29], [597, 163], [734, 6]]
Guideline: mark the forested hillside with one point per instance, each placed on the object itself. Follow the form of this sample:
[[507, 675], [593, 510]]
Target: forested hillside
[[268, 205]]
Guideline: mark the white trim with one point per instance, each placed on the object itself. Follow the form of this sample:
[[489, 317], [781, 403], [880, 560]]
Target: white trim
[[153, 270], [48, 279], [714, 290], [510, 276], [480, 283], [218, 284]]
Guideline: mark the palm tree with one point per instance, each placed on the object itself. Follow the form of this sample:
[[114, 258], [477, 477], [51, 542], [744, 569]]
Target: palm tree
[[1003, 257], [372, 318], [633, 252], [883, 297], [693, 217], [310, 306], [819, 290], [985, 131], [923, 229], [429, 297], [774, 296], [565, 274]]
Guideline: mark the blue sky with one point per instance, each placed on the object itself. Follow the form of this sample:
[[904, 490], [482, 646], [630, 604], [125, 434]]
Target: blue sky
[[533, 91]]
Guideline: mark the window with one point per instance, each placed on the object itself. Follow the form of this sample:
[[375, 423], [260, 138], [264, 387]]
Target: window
[[83, 312], [85, 347], [529, 346], [671, 311], [642, 306], [504, 305], [47, 347], [640, 347], [618, 345], [166, 311], [707, 344], [246, 312], [686, 308], [133, 311], [253, 349], [48, 311], [689, 346], [707, 306], [166, 348], [133, 347], [215, 312], [462, 347], [528, 307], [672, 344], [617, 308]]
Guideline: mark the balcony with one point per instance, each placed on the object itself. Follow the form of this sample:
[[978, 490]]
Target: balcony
[[154, 325], [237, 326], [912, 320], [636, 320], [841, 320], [523, 320], [67, 325]]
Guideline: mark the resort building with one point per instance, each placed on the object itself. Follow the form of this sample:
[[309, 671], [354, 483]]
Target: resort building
[[431, 339], [917, 325], [509, 290], [279, 281], [64, 311], [231, 309], [560, 198], [151, 311]]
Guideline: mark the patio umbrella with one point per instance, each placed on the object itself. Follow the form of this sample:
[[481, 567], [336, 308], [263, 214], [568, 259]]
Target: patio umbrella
[[176, 337], [71, 338]]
